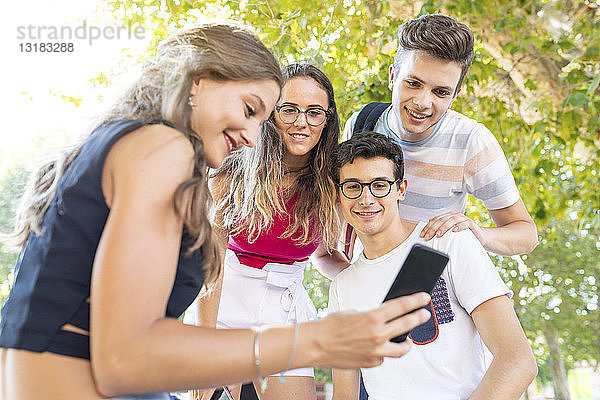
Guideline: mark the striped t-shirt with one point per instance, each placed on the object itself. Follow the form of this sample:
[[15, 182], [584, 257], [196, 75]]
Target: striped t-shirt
[[461, 156]]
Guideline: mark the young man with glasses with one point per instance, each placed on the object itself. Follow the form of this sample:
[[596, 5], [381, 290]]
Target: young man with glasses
[[470, 304]]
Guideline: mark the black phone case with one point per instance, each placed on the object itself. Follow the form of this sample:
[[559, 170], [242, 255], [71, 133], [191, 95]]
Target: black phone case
[[419, 273]]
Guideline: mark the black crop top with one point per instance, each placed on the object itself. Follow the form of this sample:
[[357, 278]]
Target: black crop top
[[53, 272]]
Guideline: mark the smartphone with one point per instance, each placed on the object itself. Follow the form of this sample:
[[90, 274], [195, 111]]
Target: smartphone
[[419, 273]]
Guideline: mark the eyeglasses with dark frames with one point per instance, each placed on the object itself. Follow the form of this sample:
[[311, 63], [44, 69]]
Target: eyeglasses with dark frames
[[378, 187], [315, 116]]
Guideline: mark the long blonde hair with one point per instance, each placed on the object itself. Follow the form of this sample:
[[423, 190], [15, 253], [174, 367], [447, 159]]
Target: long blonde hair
[[217, 51], [255, 179]]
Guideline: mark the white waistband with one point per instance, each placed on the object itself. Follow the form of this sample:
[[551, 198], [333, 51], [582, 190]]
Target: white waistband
[[281, 275], [286, 276]]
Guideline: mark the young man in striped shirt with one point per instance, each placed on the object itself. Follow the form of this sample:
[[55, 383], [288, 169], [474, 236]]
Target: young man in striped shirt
[[448, 155]]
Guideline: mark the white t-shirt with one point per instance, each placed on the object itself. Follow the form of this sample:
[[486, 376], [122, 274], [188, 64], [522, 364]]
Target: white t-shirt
[[451, 364], [460, 157]]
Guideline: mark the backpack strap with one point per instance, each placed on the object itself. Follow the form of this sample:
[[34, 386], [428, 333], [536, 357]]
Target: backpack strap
[[368, 116], [365, 121]]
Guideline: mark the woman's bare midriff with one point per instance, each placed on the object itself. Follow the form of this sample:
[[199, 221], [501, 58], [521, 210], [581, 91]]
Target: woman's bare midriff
[[71, 328], [26, 375]]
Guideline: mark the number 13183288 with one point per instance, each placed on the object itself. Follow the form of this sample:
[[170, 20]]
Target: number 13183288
[[56, 47]]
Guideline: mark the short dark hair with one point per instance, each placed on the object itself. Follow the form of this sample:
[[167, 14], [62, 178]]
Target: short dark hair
[[439, 36], [368, 145]]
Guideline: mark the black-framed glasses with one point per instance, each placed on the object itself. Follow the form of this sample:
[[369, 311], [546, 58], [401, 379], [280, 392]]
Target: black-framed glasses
[[378, 187], [315, 116]]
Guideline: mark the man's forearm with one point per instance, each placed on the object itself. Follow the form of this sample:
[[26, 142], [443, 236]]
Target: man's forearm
[[507, 378], [519, 237], [514, 366], [208, 306], [345, 384]]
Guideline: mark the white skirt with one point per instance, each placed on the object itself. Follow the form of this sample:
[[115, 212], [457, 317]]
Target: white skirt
[[273, 295]]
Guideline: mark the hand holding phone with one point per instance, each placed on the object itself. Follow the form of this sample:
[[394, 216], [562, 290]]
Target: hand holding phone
[[419, 273]]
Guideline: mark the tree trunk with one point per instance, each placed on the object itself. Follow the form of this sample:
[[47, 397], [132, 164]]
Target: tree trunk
[[406, 9], [559, 374]]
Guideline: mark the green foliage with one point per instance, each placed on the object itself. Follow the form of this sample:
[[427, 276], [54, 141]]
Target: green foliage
[[317, 287], [555, 157], [323, 375], [560, 287], [557, 286], [12, 186], [73, 100]]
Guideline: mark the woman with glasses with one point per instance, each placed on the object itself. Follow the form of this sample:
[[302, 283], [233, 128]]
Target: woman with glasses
[[117, 243], [277, 207]]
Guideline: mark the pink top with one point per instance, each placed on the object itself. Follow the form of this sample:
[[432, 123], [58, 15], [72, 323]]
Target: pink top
[[269, 247]]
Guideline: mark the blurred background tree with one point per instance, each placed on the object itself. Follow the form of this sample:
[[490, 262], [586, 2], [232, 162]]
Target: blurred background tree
[[534, 83], [12, 186]]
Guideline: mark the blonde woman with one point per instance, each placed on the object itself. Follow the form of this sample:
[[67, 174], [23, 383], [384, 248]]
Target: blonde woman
[[117, 243]]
